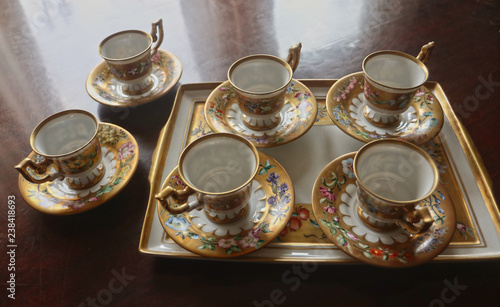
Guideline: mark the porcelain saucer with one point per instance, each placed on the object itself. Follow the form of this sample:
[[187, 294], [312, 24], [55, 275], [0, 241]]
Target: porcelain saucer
[[270, 208], [105, 89], [297, 116], [120, 157], [334, 203], [345, 104]]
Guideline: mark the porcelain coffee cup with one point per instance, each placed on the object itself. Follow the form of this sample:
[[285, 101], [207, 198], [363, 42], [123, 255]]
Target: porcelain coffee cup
[[218, 169], [128, 55], [392, 178], [66, 146], [260, 82], [391, 79]]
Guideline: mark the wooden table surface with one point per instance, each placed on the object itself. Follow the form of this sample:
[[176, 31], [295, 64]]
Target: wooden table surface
[[47, 49]]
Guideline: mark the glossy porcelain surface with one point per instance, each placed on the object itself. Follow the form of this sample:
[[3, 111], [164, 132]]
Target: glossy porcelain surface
[[335, 205], [420, 123], [103, 87], [120, 160], [270, 208], [296, 117]]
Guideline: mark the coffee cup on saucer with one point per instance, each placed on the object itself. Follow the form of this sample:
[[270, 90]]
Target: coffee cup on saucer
[[66, 146], [218, 169], [128, 55], [392, 177], [391, 79], [260, 82]]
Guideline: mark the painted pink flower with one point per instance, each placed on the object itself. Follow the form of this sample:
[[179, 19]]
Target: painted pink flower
[[93, 198], [419, 93], [76, 205], [156, 58], [249, 241], [223, 88], [227, 243], [326, 193], [330, 209], [461, 227], [125, 150], [351, 236], [254, 233]]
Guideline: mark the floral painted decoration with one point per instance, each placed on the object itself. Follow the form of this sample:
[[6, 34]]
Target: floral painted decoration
[[340, 100], [279, 203], [123, 149], [328, 198], [304, 108]]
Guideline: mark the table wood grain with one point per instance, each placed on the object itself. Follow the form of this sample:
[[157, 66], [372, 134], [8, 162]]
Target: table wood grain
[[47, 49]]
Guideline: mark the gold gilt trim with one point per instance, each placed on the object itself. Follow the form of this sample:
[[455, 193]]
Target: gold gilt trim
[[465, 203], [472, 155]]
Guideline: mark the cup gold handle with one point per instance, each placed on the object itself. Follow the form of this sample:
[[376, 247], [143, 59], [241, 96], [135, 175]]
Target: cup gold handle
[[422, 216], [39, 168], [179, 196], [293, 57], [425, 52], [158, 39]]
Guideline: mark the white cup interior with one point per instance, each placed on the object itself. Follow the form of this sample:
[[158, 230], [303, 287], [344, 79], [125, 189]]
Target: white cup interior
[[219, 164], [259, 75], [395, 71], [125, 45], [65, 134], [395, 172]]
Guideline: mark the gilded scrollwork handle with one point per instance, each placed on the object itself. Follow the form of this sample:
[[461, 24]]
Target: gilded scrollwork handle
[[39, 168], [425, 52], [157, 27], [179, 196], [293, 57], [417, 221]]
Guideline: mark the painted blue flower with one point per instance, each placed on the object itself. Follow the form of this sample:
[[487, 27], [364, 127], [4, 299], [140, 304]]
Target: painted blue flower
[[285, 200], [437, 200], [347, 167], [261, 140], [441, 195], [283, 188], [178, 223], [272, 200], [439, 231], [194, 236], [273, 178]]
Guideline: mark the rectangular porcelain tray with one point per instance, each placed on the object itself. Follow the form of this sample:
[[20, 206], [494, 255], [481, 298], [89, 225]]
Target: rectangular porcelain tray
[[465, 176]]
